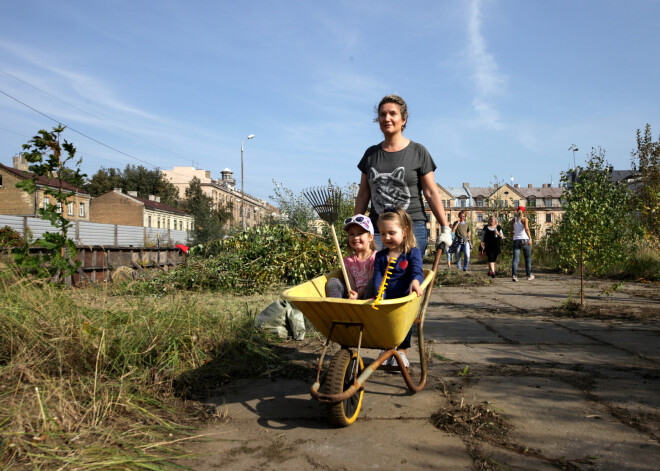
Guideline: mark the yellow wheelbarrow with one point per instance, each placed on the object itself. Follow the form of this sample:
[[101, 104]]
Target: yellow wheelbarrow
[[355, 324]]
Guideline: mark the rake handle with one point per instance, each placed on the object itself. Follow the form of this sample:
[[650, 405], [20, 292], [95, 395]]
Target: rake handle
[[341, 258]]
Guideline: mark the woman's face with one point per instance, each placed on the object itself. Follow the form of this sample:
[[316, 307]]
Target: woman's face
[[491, 221], [390, 119]]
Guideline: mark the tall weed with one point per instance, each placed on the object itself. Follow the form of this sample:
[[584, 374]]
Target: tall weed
[[87, 379]]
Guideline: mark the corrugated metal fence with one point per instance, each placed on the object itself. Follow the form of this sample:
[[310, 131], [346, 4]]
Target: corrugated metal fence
[[92, 234]]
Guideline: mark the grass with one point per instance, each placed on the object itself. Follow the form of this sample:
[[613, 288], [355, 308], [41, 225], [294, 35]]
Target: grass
[[93, 379]]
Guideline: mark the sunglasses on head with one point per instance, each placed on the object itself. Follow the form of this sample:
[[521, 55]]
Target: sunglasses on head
[[389, 210], [353, 219]]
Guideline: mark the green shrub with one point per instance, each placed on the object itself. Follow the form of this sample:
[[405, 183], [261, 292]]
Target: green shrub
[[253, 261]]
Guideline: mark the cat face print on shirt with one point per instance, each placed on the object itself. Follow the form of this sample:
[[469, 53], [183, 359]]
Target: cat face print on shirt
[[388, 190]]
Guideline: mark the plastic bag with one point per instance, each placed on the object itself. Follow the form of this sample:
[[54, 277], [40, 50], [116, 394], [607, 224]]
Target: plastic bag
[[283, 319]]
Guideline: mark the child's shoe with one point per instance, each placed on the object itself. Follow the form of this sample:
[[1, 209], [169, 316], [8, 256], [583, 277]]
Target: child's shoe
[[403, 356], [530, 277], [514, 278], [389, 361]]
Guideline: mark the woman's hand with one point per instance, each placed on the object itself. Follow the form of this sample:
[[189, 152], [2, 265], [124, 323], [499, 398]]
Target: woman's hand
[[530, 241], [353, 294], [415, 287]]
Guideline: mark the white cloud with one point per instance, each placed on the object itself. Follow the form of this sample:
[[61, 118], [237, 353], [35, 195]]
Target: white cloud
[[488, 80]]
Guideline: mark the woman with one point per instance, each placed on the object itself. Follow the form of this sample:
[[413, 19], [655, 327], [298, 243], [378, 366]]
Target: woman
[[396, 172], [491, 237], [461, 229], [522, 239]]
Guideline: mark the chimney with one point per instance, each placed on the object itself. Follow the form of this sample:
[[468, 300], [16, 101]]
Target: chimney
[[529, 185], [132, 193], [515, 185], [544, 185], [152, 198], [466, 185], [118, 190], [495, 185], [20, 163], [157, 199]]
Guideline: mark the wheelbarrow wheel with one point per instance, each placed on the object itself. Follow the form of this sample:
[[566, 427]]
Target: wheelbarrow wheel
[[341, 374]]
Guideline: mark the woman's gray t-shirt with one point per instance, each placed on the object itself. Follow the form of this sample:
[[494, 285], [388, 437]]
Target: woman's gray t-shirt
[[394, 178]]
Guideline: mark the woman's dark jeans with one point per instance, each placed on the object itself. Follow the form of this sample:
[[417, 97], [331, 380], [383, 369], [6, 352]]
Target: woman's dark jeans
[[527, 252]]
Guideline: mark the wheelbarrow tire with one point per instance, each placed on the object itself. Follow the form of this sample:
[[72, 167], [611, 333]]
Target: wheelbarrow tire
[[339, 378]]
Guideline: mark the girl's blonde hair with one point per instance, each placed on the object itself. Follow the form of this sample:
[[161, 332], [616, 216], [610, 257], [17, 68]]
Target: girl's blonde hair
[[520, 214], [402, 218]]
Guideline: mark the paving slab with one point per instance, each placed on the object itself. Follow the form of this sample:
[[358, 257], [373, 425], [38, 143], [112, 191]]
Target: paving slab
[[580, 393]]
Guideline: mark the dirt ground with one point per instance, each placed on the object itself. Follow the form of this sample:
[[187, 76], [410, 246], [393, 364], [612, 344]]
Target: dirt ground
[[518, 380]]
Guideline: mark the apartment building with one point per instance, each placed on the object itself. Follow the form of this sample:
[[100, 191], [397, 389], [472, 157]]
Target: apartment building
[[17, 202], [543, 205], [127, 209], [223, 193]]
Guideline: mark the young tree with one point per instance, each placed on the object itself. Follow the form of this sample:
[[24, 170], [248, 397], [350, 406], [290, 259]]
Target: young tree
[[598, 226], [646, 160], [48, 158], [295, 210], [209, 222]]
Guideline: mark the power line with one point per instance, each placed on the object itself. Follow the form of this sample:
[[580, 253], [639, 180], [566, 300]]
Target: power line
[[93, 115]]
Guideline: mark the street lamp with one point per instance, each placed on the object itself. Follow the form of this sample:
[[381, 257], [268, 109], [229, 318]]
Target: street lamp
[[243, 192], [574, 149]]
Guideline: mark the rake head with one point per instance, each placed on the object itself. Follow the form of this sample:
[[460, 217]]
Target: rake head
[[325, 201]]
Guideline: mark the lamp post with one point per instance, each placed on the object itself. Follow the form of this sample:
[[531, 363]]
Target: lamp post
[[243, 192], [574, 149]]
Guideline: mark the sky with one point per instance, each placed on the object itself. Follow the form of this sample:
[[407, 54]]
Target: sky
[[496, 89]]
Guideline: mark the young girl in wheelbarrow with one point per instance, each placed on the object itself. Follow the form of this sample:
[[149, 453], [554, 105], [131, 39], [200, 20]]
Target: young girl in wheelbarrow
[[360, 264], [407, 275]]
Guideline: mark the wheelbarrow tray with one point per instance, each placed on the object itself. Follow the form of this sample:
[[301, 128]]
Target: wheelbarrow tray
[[384, 328]]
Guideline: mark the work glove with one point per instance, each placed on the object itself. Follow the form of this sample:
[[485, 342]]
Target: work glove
[[444, 241]]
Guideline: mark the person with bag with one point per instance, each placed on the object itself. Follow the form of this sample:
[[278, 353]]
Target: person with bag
[[491, 238], [522, 240], [461, 229]]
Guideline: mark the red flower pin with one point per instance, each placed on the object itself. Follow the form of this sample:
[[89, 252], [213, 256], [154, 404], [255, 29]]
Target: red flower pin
[[403, 264]]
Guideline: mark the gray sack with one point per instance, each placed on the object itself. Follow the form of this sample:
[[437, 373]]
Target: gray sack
[[283, 319]]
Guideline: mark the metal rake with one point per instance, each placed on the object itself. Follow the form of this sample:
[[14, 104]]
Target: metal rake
[[326, 202]]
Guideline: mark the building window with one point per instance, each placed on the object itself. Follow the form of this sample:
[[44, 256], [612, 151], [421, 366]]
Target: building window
[[462, 202], [59, 207], [82, 210], [46, 204], [0, 180], [69, 209], [149, 221], [532, 202], [480, 203], [158, 222], [548, 217], [548, 202], [480, 217], [180, 225], [516, 203]]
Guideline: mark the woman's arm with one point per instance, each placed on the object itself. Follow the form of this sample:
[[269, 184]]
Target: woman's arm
[[529, 234], [432, 195], [363, 196]]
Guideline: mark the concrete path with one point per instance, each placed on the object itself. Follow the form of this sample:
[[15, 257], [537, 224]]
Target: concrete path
[[571, 392]]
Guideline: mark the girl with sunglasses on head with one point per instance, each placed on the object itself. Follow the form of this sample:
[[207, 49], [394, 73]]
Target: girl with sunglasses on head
[[399, 173], [396, 233], [360, 264]]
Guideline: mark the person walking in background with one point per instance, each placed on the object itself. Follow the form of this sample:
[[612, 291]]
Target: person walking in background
[[461, 229], [491, 238], [397, 172], [522, 240]]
